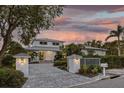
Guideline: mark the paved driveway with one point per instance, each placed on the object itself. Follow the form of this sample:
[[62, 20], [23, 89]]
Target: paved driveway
[[47, 76]]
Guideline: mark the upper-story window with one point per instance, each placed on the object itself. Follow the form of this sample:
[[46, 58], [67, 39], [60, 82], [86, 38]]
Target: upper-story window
[[43, 43], [55, 43]]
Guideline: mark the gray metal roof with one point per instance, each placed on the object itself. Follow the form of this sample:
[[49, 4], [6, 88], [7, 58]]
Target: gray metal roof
[[20, 55]]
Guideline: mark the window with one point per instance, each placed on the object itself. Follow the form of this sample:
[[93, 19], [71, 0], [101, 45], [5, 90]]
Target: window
[[43, 43], [55, 43]]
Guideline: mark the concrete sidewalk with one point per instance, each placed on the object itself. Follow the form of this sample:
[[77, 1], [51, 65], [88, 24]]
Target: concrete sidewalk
[[115, 71]]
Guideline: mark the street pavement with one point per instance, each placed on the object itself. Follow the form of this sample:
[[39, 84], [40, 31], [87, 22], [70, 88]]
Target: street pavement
[[108, 83]]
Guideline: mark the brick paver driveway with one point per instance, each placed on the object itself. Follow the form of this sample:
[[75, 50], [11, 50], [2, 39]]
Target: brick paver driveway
[[47, 76]]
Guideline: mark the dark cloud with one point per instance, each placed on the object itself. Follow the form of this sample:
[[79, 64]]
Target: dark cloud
[[90, 28], [63, 23], [62, 20], [106, 21]]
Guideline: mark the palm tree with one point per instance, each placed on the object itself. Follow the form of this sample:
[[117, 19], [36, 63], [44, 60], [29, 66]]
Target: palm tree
[[116, 33], [94, 43]]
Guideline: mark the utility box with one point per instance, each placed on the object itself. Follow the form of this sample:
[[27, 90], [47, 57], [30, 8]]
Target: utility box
[[73, 63], [22, 63]]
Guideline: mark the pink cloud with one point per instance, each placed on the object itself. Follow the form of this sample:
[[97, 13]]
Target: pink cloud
[[99, 22], [110, 23], [72, 36], [61, 19], [62, 35]]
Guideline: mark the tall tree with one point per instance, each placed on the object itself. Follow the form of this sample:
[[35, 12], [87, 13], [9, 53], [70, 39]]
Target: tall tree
[[111, 47], [15, 48], [73, 49], [116, 33], [94, 43], [26, 21], [88, 43]]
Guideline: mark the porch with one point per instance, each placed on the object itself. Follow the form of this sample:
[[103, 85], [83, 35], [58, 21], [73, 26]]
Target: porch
[[42, 56]]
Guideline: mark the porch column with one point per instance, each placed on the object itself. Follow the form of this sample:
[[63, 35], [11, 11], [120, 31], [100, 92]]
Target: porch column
[[37, 56]]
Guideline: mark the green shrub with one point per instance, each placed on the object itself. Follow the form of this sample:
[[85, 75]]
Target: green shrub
[[99, 68], [84, 69], [11, 78], [113, 61], [58, 56], [90, 70], [95, 70], [60, 63], [8, 61], [91, 67]]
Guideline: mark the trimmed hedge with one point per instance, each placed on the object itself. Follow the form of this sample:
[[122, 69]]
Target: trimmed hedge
[[113, 61], [10, 78], [60, 63], [8, 61]]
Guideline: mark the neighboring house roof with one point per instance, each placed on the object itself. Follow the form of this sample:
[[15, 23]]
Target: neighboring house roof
[[46, 39], [22, 55], [93, 48], [45, 48]]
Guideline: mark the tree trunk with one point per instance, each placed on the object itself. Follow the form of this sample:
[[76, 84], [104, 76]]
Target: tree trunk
[[119, 52], [4, 47]]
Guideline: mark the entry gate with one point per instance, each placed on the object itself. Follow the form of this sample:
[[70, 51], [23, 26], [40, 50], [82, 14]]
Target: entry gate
[[90, 61]]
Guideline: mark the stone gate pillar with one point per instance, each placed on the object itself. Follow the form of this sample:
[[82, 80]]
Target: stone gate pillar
[[73, 63], [22, 63]]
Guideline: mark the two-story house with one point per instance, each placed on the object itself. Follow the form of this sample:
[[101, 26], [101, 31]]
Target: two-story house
[[46, 47]]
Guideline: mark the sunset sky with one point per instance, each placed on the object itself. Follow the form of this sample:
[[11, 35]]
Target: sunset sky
[[83, 23]]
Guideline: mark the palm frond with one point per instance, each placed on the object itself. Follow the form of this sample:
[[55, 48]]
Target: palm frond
[[120, 29], [114, 32], [110, 37]]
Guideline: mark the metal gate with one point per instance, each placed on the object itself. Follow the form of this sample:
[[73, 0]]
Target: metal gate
[[90, 61]]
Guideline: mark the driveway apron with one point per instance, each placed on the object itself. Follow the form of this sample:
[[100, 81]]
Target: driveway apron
[[47, 76]]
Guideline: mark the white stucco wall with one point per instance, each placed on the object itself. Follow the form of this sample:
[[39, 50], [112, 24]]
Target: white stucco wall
[[101, 53], [49, 50], [49, 44], [84, 51]]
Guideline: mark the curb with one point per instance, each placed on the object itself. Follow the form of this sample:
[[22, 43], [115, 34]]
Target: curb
[[89, 82]]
